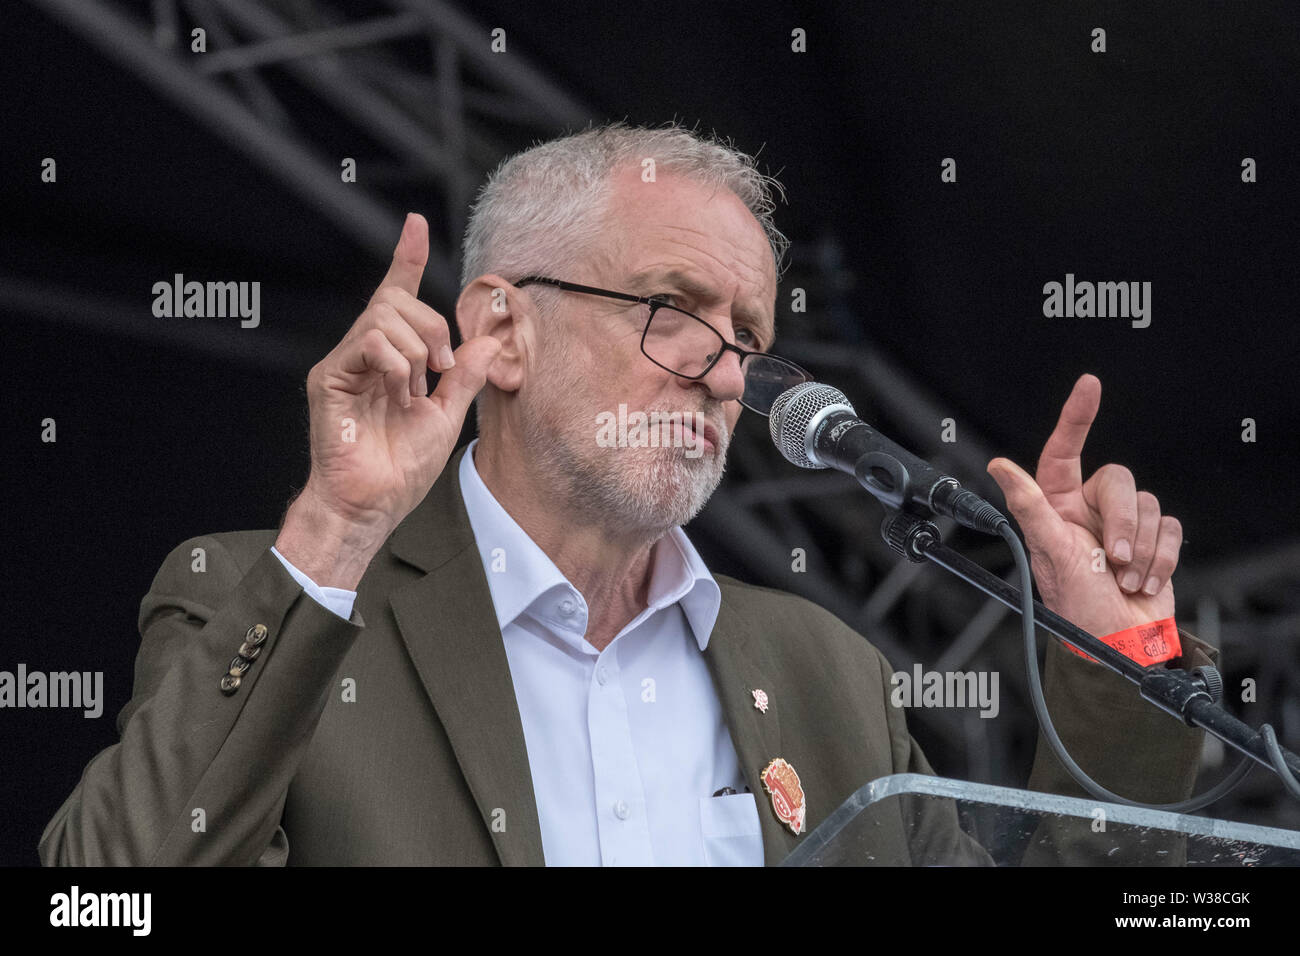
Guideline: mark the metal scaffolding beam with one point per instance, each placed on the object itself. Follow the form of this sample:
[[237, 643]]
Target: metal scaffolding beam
[[298, 167], [444, 139]]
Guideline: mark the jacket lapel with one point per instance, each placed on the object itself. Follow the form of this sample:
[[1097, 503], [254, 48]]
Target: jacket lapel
[[449, 626], [738, 670]]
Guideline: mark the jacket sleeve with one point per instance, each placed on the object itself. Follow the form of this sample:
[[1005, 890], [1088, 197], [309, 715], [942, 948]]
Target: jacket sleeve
[[1123, 742], [1126, 744], [200, 776]]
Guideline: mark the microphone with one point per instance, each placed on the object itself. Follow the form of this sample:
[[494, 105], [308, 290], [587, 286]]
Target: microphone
[[814, 426]]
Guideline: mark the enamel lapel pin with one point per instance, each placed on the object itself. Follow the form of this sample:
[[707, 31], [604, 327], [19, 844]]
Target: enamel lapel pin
[[782, 782]]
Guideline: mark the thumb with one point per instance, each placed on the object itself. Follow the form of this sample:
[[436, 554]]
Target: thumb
[[459, 384], [1025, 499]]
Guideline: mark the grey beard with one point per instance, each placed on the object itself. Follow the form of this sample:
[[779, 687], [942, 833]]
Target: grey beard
[[625, 489], [650, 489]]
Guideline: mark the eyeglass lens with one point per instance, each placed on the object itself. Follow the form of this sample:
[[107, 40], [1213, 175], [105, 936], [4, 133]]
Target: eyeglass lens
[[685, 345]]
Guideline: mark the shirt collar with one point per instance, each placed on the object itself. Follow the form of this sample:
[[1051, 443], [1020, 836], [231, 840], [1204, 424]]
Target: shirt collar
[[519, 572]]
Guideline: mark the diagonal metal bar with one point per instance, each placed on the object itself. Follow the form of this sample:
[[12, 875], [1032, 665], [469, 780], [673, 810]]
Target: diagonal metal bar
[[255, 91], [392, 126], [262, 348], [166, 28], [977, 630], [295, 165], [482, 150], [325, 74], [503, 107], [794, 529], [475, 43], [314, 43]]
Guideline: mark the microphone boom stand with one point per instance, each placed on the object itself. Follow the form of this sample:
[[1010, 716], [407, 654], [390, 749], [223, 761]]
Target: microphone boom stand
[[1191, 697]]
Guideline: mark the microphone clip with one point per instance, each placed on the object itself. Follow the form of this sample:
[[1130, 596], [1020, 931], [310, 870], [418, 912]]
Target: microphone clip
[[908, 534]]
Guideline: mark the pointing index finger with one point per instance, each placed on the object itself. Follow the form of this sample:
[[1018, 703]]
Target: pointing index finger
[[410, 256], [1059, 466]]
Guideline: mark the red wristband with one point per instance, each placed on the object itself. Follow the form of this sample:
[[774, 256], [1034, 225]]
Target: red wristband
[[1146, 644]]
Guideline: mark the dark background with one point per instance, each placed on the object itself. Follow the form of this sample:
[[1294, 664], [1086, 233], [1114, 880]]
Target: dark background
[[1117, 166]]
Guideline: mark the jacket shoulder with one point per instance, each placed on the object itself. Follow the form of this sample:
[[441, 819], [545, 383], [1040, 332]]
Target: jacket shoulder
[[793, 625], [766, 596]]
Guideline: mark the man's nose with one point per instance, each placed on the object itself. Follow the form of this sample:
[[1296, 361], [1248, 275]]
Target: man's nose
[[725, 381]]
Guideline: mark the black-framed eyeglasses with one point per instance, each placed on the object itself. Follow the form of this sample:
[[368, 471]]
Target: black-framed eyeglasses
[[684, 344]]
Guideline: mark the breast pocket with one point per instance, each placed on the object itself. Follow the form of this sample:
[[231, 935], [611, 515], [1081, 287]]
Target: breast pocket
[[732, 835]]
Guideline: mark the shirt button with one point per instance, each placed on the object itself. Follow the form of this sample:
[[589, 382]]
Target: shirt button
[[621, 810], [567, 607], [602, 675]]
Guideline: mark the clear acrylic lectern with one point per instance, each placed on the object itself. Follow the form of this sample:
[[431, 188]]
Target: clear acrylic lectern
[[919, 820]]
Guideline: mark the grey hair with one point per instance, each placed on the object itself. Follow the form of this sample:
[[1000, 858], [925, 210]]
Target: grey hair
[[542, 210]]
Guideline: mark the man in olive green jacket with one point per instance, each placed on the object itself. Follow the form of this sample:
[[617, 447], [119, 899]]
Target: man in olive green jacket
[[264, 728]]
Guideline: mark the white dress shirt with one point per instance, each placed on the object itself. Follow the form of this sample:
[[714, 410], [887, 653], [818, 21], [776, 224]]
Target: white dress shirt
[[627, 745]]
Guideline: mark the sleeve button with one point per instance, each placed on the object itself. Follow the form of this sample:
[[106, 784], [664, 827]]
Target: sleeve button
[[256, 634], [229, 684]]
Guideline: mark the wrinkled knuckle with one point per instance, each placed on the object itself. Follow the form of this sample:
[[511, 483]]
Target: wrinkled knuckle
[[388, 295], [377, 314]]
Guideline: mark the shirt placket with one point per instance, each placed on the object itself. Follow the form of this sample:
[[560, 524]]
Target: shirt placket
[[620, 799]]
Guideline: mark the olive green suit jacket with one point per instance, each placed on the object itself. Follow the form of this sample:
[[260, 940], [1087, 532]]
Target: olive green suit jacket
[[394, 737]]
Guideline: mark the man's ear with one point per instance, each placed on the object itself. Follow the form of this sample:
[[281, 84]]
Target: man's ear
[[492, 306]]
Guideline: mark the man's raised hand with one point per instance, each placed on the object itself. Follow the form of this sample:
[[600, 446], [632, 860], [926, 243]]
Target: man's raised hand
[[1069, 522], [378, 440]]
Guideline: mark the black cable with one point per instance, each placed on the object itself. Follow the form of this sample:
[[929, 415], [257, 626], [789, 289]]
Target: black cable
[[1279, 762]]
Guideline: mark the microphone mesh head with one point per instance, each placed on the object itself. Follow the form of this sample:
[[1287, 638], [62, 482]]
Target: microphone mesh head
[[791, 414]]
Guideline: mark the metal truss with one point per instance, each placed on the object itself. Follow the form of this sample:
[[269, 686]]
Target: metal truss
[[434, 119]]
